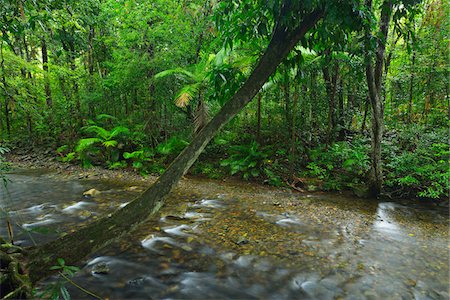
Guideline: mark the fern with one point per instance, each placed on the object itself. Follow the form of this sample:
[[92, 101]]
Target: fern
[[110, 143], [102, 117], [99, 131], [85, 144], [117, 131]]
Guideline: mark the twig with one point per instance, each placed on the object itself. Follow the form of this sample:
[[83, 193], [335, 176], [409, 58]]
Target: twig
[[80, 287]]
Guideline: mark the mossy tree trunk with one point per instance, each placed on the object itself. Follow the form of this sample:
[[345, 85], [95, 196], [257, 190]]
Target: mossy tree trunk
[[75, 246]]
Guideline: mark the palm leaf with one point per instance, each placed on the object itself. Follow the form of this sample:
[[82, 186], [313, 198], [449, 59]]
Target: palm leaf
[[186, 94], [176, 71], [201, 116]]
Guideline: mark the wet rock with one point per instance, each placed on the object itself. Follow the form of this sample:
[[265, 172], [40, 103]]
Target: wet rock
[[100, 268], [316, 291], [175, 218], [91, 193], [133, 188], [241, 241]]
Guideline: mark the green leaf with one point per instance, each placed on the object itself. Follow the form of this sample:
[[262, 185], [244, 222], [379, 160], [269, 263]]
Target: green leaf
[[61, 261], [109, 144], [85, 144], [65, 293]]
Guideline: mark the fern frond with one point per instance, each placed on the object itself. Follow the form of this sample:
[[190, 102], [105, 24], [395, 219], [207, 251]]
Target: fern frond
[[99, 131], [118, 130], [111, 143], [101, 117], [84, 144]]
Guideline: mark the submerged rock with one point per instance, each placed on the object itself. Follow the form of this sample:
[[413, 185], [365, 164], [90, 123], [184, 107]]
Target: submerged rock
[[91, 193], [100, 268]]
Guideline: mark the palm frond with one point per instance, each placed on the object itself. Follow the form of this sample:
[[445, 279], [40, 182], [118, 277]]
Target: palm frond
[[186, 94], [183, 99], [176, 71], [201, 116]]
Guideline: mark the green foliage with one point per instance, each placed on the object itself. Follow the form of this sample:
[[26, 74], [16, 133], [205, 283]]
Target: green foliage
[[103, 142], [208, 169], [172, 146], [4, 166], [140, 159], [247, 160], [417, 163], [343, 164], [58, 289]]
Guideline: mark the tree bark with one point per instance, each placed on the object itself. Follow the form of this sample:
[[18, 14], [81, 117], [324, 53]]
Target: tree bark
[[48, 91], [374, 75], [294, 131], [8, 96], [331, 87], [411, 88], [75, 246], [258, 116]]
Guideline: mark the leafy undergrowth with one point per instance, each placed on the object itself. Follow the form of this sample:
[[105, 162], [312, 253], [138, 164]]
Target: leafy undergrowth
[[415, 159]]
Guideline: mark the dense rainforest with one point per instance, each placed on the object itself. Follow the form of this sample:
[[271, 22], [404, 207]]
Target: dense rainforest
[[317, 95], [128, 84]]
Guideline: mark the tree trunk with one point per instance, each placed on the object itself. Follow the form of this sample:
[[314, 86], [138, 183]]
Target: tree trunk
[[294, 131], [331, 87], [374, 77], [258, 116], [74, 246], [287, 99], [8, 96], [48, 91], [411, 88]]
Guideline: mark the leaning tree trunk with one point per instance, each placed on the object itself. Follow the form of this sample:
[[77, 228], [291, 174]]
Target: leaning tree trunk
[[374, 77], [74, 246]]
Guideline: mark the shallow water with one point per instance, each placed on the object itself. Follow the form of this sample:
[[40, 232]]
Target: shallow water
[[235, 241]]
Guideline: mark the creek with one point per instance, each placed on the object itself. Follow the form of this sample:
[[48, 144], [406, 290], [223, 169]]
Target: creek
[[234, 240]]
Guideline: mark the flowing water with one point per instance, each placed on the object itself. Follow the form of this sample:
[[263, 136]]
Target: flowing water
[[217, 240]]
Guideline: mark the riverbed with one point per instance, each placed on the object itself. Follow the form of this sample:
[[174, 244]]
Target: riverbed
[[234, 240]]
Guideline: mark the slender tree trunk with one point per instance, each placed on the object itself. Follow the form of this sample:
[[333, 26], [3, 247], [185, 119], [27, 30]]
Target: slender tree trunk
[[341, 118], [411, 88], [312, 121], [331, 87], [287, 98], [258, 116], [74, 246], [8, 96], [48, 91], [350, 105], [374, 75], [294, 130]]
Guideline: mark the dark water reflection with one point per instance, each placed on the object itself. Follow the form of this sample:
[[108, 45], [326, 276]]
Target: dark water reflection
[[401, 252]]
